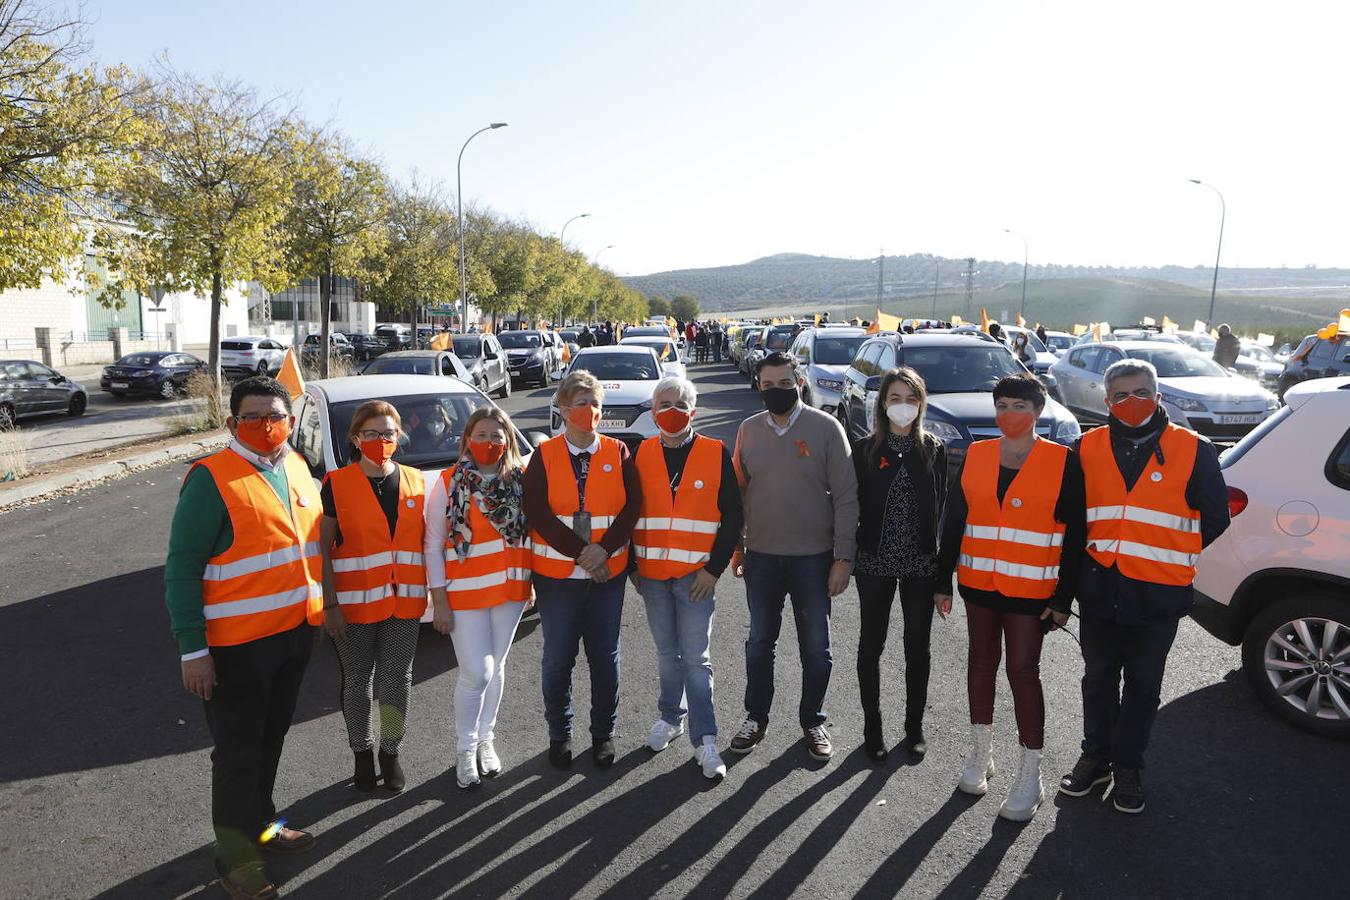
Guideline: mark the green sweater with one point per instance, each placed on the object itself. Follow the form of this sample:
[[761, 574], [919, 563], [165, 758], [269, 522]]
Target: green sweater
[[201, 529]]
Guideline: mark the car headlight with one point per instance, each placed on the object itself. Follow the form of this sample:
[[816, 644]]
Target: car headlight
[[830, 384], [1272, 402], [1185, 404], [1066, 431], [645, 404], [943, 431]]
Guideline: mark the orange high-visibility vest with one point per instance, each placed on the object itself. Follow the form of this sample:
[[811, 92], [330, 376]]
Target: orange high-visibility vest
[[1150, 533], [674, 535], [270, 579], [605, 498], [493, 573], [377, 575], [1012, 547]]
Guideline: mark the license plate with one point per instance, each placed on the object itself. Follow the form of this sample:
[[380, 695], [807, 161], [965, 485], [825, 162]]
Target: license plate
[[119, 385], [613, 423], [1240, 419]]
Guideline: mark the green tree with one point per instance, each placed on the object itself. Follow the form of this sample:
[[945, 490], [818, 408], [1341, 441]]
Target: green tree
[[207, 196], [658, 305], [65, 132], [684, 307], [335, 223], [417, 260]]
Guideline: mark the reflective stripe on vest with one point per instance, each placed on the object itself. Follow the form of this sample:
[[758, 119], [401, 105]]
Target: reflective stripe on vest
[[674, 535], [377, 575], [492, 572], [1012, 547], [605, 499], [269, 579], [1150, 533]]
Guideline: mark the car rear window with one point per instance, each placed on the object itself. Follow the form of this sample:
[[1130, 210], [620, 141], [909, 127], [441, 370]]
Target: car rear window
[[137, 360], [420, 365], [235, 345]]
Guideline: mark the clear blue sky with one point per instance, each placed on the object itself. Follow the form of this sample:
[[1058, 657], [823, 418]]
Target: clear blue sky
[[709, 133]]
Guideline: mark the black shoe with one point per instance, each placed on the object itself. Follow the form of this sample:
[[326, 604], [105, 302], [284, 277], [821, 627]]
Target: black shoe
[[365, 770], [874, 745], [1126, 790], [392, 772], [560, 754], [751, 733], [1087, 773], [915, 743], [603, 753]]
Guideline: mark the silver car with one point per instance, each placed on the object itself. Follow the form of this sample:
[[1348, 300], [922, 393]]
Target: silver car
[[1196, 391], [823, 355], [251, 354], [28, 387]]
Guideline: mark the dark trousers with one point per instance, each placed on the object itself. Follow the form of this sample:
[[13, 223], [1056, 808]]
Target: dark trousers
[[876, 594], [249, 713], [989, 629], [769, 580], [1116, 723], [575, 611]]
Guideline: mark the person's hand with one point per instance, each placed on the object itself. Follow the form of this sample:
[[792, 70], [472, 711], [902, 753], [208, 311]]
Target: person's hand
[[737, 564], [199, 676], [442, 619], [600, 575], [637, 584], [592, 557], [1060, 618], [943, 602], [334, 622], [704, 583], [840, 571]]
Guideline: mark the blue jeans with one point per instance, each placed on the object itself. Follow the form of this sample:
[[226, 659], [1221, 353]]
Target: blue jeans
[[769, 579], [682, 630], [574, 611]]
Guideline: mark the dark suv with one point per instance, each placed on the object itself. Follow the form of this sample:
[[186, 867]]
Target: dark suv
[[1316, 358], [960, 371]]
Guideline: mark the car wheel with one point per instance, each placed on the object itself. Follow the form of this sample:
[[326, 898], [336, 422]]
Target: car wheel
[[78, 403], [166, 391], [7, 417], [1296, 655], [262, 368], [504, 392]]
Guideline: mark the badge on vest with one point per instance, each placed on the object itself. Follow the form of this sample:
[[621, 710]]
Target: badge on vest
[[608, 467], [303, 501], [1017, 502], [698, 484], [1156, 476], [411, 504]]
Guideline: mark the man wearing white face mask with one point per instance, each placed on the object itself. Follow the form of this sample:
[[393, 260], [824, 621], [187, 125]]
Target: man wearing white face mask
[[689, 525]]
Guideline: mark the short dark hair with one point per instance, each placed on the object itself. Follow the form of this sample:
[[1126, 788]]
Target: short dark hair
[[1021, 387], [258, 386], [776, 358]]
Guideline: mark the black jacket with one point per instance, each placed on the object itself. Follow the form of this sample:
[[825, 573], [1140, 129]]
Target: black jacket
[[927, 472]]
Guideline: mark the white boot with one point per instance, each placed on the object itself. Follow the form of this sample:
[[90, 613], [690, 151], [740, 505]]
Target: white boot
[[980, 764], [1027, 792]]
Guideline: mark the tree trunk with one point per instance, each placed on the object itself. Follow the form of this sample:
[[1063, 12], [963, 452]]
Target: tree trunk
[[325, 318], [213, 356]]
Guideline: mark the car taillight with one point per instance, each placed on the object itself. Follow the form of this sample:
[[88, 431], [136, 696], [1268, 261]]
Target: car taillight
[[245, 352], [1237, 501]]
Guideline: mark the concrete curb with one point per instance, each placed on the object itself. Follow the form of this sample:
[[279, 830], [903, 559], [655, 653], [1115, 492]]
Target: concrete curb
[[43, 488]]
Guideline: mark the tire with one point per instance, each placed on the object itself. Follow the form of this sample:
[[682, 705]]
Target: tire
[[262, 369], [1300, 666], [78, 404], [7, 417], [166, 390], [504, 392]]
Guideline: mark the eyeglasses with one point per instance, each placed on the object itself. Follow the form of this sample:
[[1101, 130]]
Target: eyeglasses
[[377, 435], [274, 418]]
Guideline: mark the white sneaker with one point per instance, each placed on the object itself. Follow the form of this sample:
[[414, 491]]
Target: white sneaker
[[1027, 792], [662, 734], [489, 764], [466, 772], [706, 755], [980, 764]]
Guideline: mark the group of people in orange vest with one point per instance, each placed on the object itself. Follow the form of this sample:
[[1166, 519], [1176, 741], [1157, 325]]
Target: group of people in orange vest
[[365, 553]]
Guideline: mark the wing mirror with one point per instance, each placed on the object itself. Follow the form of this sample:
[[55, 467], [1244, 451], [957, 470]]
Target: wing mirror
[[873, 383]]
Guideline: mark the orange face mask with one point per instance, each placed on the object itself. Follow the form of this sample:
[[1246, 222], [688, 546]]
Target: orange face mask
[[1015, 423], [1134, 411], [486, 453], [379, 451], [585, 418], [263, 436], [673, 420]]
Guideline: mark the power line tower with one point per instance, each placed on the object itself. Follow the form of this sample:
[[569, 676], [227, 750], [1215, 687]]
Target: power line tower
[[881, 275], [970, 284]]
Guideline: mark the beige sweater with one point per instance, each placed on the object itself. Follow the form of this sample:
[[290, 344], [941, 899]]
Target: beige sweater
[[801, 493]]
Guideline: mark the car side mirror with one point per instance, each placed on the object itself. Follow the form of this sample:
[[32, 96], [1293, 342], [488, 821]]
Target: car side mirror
[[873, 383], [536, 438]]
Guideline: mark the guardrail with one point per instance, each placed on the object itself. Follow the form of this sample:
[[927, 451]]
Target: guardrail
[[17, 344]]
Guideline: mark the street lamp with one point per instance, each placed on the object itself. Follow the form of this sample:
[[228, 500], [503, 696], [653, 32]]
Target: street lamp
[[1023, 312], [562, 242], [459, 221], [1223, 214]]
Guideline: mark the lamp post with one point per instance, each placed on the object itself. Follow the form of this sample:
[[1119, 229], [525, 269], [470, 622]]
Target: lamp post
[[459, 222], [1223, 214], [1023, 312], [562, 242], [596, 263]]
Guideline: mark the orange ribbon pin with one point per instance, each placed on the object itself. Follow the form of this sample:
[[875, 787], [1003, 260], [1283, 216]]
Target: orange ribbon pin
[[802, 449], [885, 463]]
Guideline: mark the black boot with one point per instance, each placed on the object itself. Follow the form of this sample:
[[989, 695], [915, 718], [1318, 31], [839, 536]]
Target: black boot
[[873, 743], [365, 770], [560, 754], [915, 742], [392, 772]]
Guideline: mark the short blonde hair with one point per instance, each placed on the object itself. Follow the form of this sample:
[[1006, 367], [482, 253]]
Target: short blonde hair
[[578, 381]]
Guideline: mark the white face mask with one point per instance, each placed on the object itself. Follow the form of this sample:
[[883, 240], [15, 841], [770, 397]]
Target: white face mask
[[902, 414]]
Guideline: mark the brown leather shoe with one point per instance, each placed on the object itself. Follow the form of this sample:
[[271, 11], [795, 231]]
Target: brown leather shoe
[[248, 882], [288, 840], [818, 743]]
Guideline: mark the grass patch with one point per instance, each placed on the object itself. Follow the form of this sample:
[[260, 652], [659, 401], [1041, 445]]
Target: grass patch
[[14, 462], [209, 406]]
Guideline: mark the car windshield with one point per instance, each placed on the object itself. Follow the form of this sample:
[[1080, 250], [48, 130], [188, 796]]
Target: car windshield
[[837, 351], [664, 349], [235, 345], [647, 331], [1179, 363], [468, 347], [619, 366], [432, 422], [139, 360], [951, 370], [401, 365], [778, 340], [1033, 341], [519, 340], [1060, 341], [1257, 352], [753, 339], [1204, 343]]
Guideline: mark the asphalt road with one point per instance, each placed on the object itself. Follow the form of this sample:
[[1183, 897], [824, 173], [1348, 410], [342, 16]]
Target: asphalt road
[[104, 762], [107, 422]]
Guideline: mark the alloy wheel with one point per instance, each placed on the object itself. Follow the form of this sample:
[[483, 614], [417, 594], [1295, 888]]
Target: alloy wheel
[[1308, 663]]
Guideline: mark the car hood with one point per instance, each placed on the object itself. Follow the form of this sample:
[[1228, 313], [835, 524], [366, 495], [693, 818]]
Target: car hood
[[628, 393], [978, 408], [1212, 387], [827, 371]]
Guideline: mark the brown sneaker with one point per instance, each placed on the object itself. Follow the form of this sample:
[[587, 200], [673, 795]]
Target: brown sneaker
[[751, 733], [818, 743], [248, 882], [286, 840]]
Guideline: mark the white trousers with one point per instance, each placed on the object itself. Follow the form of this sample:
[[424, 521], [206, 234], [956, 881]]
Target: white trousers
[[482, 638]]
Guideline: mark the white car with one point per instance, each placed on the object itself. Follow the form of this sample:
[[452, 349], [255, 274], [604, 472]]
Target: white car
[[673, 362], [252, 354], [824, 354], [629, 374], [1058, 342], [1278, 581], [1196, 391]]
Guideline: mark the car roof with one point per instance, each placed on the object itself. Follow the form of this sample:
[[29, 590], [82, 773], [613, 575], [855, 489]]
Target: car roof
[[405, 354], [613, 348], [1150, 345], [1302, 392], [839, 330], [250, 337], [939, 339], [665, 338], [373, 387]]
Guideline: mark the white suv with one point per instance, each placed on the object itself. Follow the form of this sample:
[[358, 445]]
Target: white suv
[[1278, 581], [252, 355]]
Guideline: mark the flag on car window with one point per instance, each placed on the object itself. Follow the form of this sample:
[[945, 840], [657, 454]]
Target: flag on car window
[[290, 376]]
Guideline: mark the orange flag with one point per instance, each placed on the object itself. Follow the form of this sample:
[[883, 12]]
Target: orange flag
[[290, 375], [984, 320], [442, 341], [1021, 322]]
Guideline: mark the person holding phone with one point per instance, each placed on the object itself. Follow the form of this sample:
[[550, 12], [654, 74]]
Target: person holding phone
[[1014, 534], [582, 499]]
